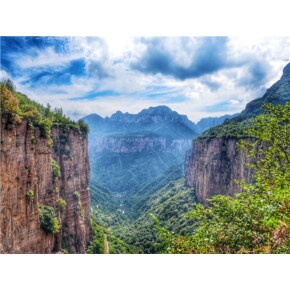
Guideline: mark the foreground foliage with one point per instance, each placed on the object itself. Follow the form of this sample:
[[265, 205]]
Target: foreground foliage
[[258, 219]]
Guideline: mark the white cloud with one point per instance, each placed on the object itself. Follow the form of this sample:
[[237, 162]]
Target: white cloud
[[115, 54]]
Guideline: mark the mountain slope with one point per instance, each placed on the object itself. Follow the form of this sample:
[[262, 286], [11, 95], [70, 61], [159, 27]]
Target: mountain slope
[[214, 162], [278, 93], [169, 204]]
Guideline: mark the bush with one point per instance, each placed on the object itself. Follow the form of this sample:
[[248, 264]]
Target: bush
[[48, 220], [61, 204], [77, 196], [9, 106], [30, 195], [55, 169]]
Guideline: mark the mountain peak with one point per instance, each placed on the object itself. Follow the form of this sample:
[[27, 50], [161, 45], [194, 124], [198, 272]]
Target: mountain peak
[[286, 70], [93, 117], [158, 110]]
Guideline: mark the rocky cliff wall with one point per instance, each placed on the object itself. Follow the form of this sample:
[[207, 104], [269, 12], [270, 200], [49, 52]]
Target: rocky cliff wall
[[132, 144], [26, 165], [212, 166]]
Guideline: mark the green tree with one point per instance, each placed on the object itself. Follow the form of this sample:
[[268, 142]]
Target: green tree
[[9, 85], [258, 219]]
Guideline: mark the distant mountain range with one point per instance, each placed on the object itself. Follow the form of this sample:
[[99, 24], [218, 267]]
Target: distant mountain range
[[160, 120], [128, 150]]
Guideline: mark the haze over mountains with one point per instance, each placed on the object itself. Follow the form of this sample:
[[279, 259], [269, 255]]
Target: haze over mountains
[[127, 150], [160, 120]]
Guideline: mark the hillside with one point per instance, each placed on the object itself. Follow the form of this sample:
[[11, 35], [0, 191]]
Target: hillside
[[170, 204], [278, 93]]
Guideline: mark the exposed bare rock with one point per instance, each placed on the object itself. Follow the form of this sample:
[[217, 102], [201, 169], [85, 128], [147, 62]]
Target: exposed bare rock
[[133, 144], [212, 166], [26, 165]]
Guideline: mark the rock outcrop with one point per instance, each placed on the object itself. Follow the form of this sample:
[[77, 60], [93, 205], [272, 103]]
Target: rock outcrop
[[212, 166], [26, 165]]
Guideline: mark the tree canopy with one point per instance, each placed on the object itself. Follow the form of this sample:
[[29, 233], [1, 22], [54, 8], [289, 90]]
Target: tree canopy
[[257, 220]]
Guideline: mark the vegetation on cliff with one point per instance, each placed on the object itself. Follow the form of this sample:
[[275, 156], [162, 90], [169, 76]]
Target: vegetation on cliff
[[48, 220], [16, 107], [258, 219], [35, 179]]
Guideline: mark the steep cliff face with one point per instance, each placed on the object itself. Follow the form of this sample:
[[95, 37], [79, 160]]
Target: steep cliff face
[[212, 166], [131, 144], [133, 159], [128, 144], [26, 165]]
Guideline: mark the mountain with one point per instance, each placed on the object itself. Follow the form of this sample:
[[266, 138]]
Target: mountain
[[45, 199], [210, 122], [278, 93], [136, 148], [214, 162], [160, 120], [127, 150], [212, 166]]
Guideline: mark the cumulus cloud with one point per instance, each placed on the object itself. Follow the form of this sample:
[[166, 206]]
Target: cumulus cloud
[[197, 76], [183, 57]]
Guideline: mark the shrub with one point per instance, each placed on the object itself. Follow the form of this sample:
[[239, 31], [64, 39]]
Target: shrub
[[77, 196], [55, 169], [48, 220], [45, 128], [30, 195], [9, 106], [61, 204], [31, 114]]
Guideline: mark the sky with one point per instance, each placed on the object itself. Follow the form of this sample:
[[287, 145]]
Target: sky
[[195, 76]]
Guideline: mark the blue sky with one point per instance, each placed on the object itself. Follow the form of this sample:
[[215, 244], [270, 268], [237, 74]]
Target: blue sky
[[196, 76]]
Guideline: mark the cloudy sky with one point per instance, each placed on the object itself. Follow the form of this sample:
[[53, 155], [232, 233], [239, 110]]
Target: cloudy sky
[[196, 76]]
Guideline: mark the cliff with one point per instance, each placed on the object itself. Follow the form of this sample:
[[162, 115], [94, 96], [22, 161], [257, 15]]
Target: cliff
[[212, 166], [133, 159], [28, 181], [133, 144]]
